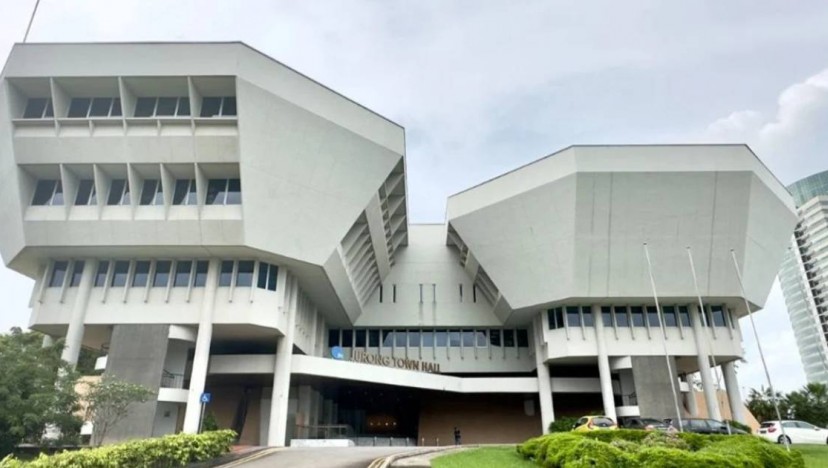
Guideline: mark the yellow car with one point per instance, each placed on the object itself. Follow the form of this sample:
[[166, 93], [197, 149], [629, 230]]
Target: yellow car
[[594, 423]]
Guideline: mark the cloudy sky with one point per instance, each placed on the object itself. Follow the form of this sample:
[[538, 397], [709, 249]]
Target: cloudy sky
[[483, 86]]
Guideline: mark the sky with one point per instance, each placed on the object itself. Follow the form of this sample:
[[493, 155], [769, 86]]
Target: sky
[[485, 86]]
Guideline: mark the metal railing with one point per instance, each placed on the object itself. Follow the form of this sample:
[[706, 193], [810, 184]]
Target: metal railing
[[324, 431], [170, 380]]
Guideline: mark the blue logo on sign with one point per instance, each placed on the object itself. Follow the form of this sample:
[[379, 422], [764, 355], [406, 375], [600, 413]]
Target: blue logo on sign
[[337, 353], [205, 397]]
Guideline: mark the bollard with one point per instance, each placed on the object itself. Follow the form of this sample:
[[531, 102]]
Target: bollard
[[375, 441], [438, 441], [390, 441], [423, 442]]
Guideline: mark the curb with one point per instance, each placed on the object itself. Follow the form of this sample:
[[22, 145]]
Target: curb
[[254, 456], [387, 461]]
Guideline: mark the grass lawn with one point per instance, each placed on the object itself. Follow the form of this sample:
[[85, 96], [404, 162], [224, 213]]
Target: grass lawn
[[815, 455], [485, 457]]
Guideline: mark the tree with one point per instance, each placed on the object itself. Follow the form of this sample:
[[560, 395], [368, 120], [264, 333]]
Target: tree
[[760, 403], [37, 389], [810, 404], [108, 402]]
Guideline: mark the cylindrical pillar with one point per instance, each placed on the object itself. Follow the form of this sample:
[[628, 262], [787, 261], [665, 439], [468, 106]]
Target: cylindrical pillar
[[201, 356], [74, 333], [544, 383], [734, 396], [277, 427], [704, 366], [303, 411], [690, 398], [604, 373]]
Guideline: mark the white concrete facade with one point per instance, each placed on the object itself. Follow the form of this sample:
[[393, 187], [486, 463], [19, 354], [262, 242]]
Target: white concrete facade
[[262, 218]]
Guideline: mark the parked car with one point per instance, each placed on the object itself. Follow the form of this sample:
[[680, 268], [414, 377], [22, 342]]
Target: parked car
[[594, 423], [706, 426], [647, 424], [797, 432]]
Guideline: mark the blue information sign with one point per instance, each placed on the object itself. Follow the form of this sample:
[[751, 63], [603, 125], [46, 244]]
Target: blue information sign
[[337, 353], [205, 397]]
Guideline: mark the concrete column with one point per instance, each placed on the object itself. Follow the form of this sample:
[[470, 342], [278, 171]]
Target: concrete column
[[604, 373], [201, 356], [327, 412], [690, 397], [303, 411], [276, 434], [704, 365], [74, 334], [47, 341], [734, 396], [544, 383]]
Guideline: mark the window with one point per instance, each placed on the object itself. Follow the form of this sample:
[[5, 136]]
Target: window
[[427, 338], [621, 317], [637, 314], [120, 273], [373, 338], [81, 107], [400, 338], [184, 192], [244, 276], [556, 318], [48, 192], [482, 341], [684, 316], [454, 338], [38, 108], [588, 319], [333, 337], [226, 273], [804, 425], [670, 319], [573, 317], [100, 275], [652, 317], [380, 294], [606, 316], [494, 337], [162, 274], [200, 278], [347, 338], [218, 106], [359, 338], [522, 338], [267, 276], [718, 315], [152, 193], [141, 275], [86, 193], [118, 193], [441, 338], [58, 274], [77, 273], [387, 338], [414, 338], [509, 338], [162, 107], [468, 339], [182, 273], [223, 192]]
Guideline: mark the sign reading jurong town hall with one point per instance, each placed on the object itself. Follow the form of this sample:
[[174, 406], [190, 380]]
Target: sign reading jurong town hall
[[387, 361]]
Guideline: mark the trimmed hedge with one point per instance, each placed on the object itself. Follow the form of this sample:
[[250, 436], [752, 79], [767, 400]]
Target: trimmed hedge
[[631, 448], [167, 451]]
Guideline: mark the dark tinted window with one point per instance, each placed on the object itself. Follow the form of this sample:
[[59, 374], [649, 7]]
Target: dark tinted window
[[602, 422], [621, 317], [441, 338], [183, 107], [652, 317], [116, 192], [141, 275], [244, 278], [347, 338], [148, 192], [468, 338], [77, 272], [100, 107], [509, 338], [670, 318], [79, 107], [427, 338], [34, 108], [144, 107], [684, 316], [637, 314], [182, 273], [522, 338], [201, 273], [454, 338], [233, 192], [58, 274], [86, 193], [333, 337], [210, 106], [718, 316], [216, 191], [100, 275], [373, 338], [229, 107], [606, 316], [226, 273], [116, 108], [359, 338], [494, 337], [387, 339], [181, 190], [400, 338], [586, 313], [44, 190], [166, 106], [162, 274], [573, 317], [120, 273], [414, 338]]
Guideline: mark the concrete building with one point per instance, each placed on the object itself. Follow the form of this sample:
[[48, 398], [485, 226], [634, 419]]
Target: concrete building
[[804, 275], [218, 223]]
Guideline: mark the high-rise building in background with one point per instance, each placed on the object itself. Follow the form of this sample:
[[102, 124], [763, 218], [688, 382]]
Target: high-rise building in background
[[804, 275]]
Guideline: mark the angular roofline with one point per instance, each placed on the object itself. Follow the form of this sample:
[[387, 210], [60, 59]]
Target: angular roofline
[[242, 43]]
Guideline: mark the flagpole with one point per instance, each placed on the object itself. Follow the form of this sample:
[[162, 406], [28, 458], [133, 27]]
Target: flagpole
[[664, 338], [31, 20]]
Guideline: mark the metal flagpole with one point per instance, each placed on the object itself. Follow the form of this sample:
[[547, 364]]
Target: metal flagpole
[[705, 326], [31, 20], [664, 338], [759, 345]]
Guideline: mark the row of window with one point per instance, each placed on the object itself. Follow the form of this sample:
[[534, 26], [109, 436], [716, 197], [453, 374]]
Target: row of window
[[634, 316], [441, 338], [424, 289], [84, 107], [49, 192], [162, 273]]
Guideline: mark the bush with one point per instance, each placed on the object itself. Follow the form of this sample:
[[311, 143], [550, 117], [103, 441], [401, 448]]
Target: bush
[[171, 450], [662, 457], [562, 424], [764, 453], [592, 453], [631, 435], [741, 426], [663, 439]]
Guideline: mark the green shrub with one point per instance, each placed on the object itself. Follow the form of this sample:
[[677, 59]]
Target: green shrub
[[592, 453], [764, 453], [741, 426], [663, 439], [167, 451], [563, 424], [662, 457], [631, 435], [551, 450], [626, 446]]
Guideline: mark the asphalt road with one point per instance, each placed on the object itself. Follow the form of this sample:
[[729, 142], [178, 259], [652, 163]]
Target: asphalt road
[[329, 457]]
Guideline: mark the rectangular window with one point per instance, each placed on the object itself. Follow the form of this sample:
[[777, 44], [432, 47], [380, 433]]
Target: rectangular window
[[441, 338], [228, 106], [333, 337], [120, 273], [573, 317], [414, 338], [670, 319], [261, 281], [718, 316], [166, 106], [684, 316], [482, 342], [400, 338], [86, 193], [162, 274], [118, 193], [454, 338], [244, 277], [522, 338], [182, 273], [233, 192], [387, 339], [637, 314], [77, 273], [184, 192], [347, 338], [606, 316], [586, 313], [509, 338], [48, 192], [38, 108], [79, 108], [105, 107], [359, 339], [215, 106], [141, 275], [151, 193], [373, 338], [621, 317], [162, 107], [468, 339], [200, 279], [494, 337], [145, 107], [216, 191], [226, 273], [652, 317], [428, 338], [100, 275], [58, 274]]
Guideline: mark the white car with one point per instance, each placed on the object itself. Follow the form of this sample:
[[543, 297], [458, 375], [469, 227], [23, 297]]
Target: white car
[[798, 432]]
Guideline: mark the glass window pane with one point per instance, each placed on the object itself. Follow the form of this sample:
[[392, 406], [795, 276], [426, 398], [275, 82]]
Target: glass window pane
[[100, 107], [43, 192], [216, 191], [684, 316], [210, 106], [182, 273], [86, 190], [271, 277], [586, 313], [414, 338], [192, 194], [162, 274], [200, 279], [637, 314], [482, 342], [333, 337], [468, 338], [226, 273], [347, 338], [77, 273], [58, 274], [233, 192], [441, 338], [141, 275], [652, 317], [180, 191], [400, 338], [427, 338], [116, 192], [509, 338], [359, 338], [34, 108], [100, 275], [718, 316], [166, 106], [229, 107], [183, 107], [573, 317], [387, 339], [148, 192], [494, 337], [550, 317], [373, 338], [454, 338], [606, 316], [79, 107], [145, 107], [621, 318], [522, 338], [116, 108], [50, 111], [670, 319], [120, 273], [261, 281], [57, 198], [244, 278]]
